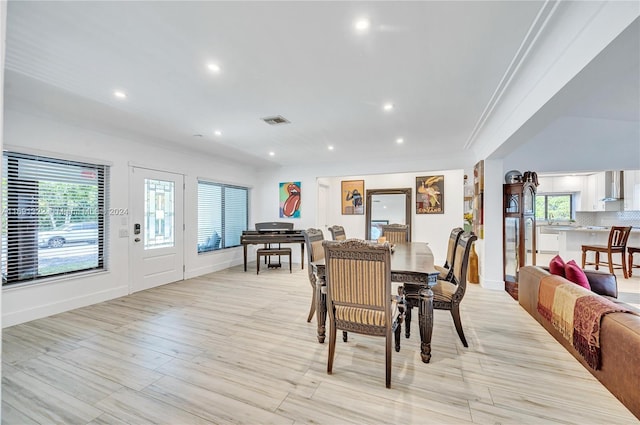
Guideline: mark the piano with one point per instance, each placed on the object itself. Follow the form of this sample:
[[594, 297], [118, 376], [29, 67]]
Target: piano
[[272, 232]]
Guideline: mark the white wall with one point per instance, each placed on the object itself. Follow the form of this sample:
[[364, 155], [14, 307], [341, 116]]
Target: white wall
[[432, 228], [26, 131]]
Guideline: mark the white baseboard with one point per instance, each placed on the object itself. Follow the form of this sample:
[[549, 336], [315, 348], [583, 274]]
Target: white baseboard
[[44, 310]]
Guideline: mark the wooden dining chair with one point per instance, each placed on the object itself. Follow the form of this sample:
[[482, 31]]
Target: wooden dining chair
[[313, 241], [617, 244], [396, 233], [358, 279], [446, 271], [337, 233], [447, 295]]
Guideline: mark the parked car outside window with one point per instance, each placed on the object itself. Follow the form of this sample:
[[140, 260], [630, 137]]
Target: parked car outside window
[[86, 232]]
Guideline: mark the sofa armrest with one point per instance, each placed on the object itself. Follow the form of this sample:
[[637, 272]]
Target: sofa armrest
[[603, 283]]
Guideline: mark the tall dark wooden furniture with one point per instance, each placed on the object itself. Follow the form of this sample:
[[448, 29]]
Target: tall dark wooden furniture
[[519, 231]]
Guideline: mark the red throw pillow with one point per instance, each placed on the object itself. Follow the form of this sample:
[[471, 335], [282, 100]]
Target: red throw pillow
[[575, 274], [556, 266]]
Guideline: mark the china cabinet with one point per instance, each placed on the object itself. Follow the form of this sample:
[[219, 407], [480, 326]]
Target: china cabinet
[[519, 231]]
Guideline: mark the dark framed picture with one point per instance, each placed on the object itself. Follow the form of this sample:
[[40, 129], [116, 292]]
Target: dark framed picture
[[430, 195], [352, 197]]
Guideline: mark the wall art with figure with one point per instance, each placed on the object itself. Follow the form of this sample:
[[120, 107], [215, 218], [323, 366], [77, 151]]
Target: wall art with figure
[[290, 200], [430, 195], [352, 197]]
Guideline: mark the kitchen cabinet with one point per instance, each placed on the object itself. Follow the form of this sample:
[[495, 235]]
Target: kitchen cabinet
[[595, 192], [632, 190], [560, 184]]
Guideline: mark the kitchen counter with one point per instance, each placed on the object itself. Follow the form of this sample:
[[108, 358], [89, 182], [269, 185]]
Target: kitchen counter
[[571, 239]]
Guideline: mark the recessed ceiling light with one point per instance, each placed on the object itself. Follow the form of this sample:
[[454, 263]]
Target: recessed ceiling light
[[399, 140], [213, 67], [218, 133], [387, 106], [120, 94], [330, 147], [272, 153], [362, 24]]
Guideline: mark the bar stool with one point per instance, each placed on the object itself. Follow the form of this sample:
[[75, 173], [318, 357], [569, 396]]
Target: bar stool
[[632, 250]]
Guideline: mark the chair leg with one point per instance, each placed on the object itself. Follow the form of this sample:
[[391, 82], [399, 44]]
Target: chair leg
[[258, 266], [610, 258], [624, 265], [344, 336], [312, 310], [455, 314], [584, 257], [332, 347], [290, 270], [597, 260], [387, 360]]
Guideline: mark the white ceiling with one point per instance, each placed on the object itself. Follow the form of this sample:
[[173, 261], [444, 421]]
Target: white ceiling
[[437, 62]]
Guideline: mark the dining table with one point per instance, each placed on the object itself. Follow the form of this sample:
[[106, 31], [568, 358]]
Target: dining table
[[412, 265]]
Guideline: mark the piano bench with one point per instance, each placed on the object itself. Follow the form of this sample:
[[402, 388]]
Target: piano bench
[[268, 252]]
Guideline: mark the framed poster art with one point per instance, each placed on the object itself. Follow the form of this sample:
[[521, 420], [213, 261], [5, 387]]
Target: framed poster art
[[430, 195], [352, 197], [290, 199]]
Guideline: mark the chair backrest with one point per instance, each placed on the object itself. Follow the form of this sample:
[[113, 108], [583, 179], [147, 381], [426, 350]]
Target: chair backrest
[[618, 236], [358, 276], [461, 263], [451, 247], [313, 242], [273, 226], [396, 233], [337, 233]]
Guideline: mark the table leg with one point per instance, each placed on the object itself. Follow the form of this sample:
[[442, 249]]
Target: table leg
[[321, 309], [426, 323]]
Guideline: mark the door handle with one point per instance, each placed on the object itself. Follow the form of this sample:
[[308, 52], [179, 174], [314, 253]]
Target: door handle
[[137, 240]]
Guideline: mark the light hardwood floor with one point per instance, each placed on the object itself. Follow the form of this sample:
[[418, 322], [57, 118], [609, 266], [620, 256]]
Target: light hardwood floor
[[233, 347]]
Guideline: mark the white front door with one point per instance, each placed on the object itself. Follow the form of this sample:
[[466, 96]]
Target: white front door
[[157, 232]]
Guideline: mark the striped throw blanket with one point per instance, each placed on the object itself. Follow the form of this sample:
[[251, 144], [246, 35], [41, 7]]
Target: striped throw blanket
[[576, 313]]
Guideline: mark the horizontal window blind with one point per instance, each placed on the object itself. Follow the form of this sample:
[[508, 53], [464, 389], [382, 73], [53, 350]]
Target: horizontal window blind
[[53, 218], [222, 215]]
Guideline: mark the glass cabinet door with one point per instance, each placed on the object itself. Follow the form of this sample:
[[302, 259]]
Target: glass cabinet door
[[529, 249], [511, 244]]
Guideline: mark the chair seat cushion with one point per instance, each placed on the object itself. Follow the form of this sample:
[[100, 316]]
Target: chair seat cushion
[[360, 315], [443, 291], [444, 272]]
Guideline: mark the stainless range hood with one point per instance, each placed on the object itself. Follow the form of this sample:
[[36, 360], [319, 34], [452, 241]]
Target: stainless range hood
[[613, 189]]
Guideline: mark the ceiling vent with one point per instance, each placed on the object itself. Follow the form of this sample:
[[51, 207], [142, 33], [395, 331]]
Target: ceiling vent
[[277, 120]]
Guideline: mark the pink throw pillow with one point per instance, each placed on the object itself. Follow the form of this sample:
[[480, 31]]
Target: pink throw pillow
[[575, 274], [556, 266]]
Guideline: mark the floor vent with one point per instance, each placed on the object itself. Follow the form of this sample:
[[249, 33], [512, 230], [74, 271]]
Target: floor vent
[[279, 119]]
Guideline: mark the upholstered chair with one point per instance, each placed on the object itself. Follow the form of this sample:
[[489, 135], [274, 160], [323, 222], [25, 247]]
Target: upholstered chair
[[337, 233], [447, 295], [396, 233], [446, 271], [617, 244], [358, 279]]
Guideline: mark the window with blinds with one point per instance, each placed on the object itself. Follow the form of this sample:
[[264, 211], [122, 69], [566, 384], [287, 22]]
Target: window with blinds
[[222, 215], [53, 217]]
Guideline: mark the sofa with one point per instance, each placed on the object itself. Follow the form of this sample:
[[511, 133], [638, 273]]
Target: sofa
[[619, 369]]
